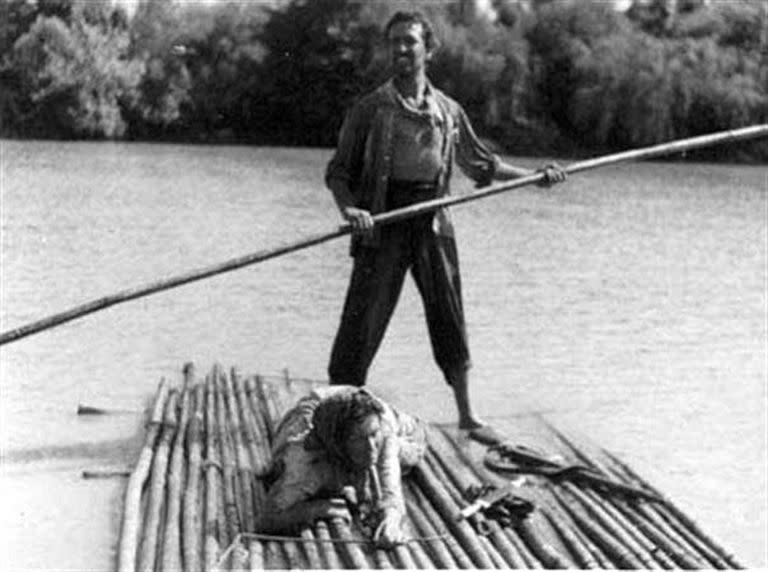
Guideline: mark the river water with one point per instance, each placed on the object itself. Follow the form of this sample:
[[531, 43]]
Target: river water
[[629, 303]]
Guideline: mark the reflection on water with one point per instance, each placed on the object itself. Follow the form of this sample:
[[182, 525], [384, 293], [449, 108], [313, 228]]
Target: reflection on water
[[629, 303]]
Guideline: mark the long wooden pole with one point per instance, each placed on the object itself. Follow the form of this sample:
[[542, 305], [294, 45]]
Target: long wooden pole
[[744, 133]]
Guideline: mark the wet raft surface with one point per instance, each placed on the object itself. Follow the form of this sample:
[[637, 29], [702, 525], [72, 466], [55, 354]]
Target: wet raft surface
[[194, 494]]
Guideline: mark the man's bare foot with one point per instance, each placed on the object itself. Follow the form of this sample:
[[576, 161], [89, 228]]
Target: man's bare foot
[[470, 422], [485, 434]]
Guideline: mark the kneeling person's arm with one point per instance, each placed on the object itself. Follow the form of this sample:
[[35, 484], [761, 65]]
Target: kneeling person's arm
[[304, 512]]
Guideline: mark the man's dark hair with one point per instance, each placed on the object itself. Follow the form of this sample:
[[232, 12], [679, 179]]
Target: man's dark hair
[[334, 419], [401, 17]]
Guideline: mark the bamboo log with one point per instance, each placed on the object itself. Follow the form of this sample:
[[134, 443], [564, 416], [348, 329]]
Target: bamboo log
[[267, 403], [602, 559], [440, 554], [458, 470], [244, 476], [256, 556], [412, 554], [580, 553], [533, 537], [421, 559], [619, 554], [403, 557], [244, 479], [260, 448], [455, 549], [493, 554], [481, 473], [649, 514], [234, 495], [691, 543], [678, 553], [293, 556], [331, 557], [627, 534], [561, 519], [172, 541], [628, 537], [606, 505], [440, 526], [453, 489], [452, 472], [232, 508], [386, 218], [649, 536], [248, 454], [463, 532], [601, 515], [680, 522], [648, 543], [381, 559], [153, 523], [510, 553], [214, 518], [311, 549], [530, 534], [259, 414], [353, 554], [274, 557], [688, 528], [193, 506], [529, 559], [251, 433], [259, 453], [476, 521], [132, 506]]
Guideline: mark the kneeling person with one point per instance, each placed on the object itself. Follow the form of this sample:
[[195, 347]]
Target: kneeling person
[[342, 442]]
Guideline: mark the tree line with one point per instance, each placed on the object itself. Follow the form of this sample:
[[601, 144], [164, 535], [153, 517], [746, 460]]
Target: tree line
[[542, 77]]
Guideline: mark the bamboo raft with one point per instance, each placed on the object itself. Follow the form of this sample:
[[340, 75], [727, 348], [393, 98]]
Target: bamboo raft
[[192, 499]]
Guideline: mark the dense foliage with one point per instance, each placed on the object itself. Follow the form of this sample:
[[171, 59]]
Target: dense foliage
[[561, 76]]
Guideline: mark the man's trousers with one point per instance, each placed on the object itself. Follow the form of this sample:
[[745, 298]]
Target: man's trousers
[[377, 280]]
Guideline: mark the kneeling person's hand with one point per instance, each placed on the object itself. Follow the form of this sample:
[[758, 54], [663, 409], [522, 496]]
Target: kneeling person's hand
[[330, 509], [390, 530]]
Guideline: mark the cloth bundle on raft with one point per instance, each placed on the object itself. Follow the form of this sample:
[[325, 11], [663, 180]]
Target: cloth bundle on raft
[[193, 498]]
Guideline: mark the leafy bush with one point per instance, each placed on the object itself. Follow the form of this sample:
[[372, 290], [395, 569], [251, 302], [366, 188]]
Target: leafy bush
[[76, 78]]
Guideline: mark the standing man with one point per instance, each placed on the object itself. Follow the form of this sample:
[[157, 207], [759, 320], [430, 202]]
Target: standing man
[[397, 147]]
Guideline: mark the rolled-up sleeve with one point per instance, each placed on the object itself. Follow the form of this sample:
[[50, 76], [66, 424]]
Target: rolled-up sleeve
[[390, 477], [472, 156], [346, 165]]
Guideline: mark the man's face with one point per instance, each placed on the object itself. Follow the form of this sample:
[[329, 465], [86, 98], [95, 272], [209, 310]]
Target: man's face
[[407, 51]]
